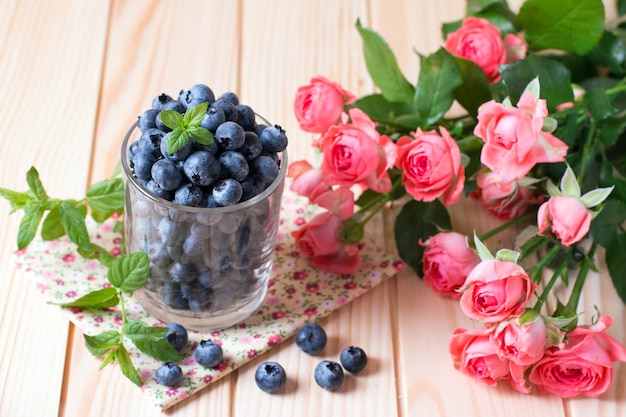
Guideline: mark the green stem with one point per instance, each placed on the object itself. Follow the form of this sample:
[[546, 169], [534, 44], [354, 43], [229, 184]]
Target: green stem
[[550, 284], [380, 200], [581, 277], [122, 306], [506, 225], [587, 149], [543, 262]]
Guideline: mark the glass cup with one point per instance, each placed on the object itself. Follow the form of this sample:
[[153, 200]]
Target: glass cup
[[209, 267]]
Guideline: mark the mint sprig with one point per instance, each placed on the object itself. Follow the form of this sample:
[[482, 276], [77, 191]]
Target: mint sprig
[[186, 127]]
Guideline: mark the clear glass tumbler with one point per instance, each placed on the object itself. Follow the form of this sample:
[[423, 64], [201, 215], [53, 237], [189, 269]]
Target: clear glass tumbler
[[209, 267]]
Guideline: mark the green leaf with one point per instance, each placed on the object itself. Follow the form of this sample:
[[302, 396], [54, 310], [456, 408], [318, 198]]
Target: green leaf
[[27, 230], [52, 227], [611, 129], [200, 135], [381, 110], [439, 78], [612, 215], [193, 116], [15, 198], [418, 221], [621, 7], [129, 272], [97, 252], [98, 299], [171, 118], [610, 52], [615, 255], [73, 219], [106, 196], [383, 68], [101, 343], [151, 340], [569, 25], [554, 77], [598, 104], [35, 184], [474, 89], [178, 138], [126, 365], [476, 6]]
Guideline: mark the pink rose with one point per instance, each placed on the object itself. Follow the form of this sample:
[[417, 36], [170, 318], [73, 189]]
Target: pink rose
[[479, 41], [505, 200], [431, 166], [339, 201], [515, 48], [514, 141], [565, 217], [319, 240], [581, 367], [307, 181], [496, 291], [319, 105], [447, 261], [522, 344], [474, 355], [354, 153]]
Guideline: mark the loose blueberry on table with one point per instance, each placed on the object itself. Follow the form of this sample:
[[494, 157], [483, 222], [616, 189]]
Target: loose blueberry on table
[[177, 336], [270, 377], [169, 374], [311, 338], [353, 359], [208, 353], [328, 375]]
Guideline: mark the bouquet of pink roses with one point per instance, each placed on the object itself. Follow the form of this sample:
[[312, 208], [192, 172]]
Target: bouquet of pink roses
[[540, 144]]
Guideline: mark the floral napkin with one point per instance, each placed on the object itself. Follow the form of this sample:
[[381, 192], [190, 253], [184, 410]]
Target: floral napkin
[[297, 294]]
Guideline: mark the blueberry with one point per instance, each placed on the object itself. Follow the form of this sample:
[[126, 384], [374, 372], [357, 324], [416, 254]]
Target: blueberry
[[146, 119], [150, 140], [311, 338], [183, 273], [169, 374], [155, 189], [201, 168], [229, 109], [233, 165], [160, 100], [270, 377], [181, 154], [169, 231], [249, 188], [353, 359], [264, 169], [229, 96], [274, 139], [176, 336], [328, 375], [172, 296], [133, 149], [227, 192], [208, 354], [174, 105], [252, 146], [188, 195], [246, 117], [213, 118], [208, 201], [166, 174], [212, 148], [230, 136], [142, 164], [198, 93], [194, 246]]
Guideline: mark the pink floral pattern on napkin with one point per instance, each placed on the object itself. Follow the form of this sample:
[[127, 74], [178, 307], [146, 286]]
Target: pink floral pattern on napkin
[[297, 294]]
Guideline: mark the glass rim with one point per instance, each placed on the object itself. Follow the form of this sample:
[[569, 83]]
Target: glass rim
[[226, 209]]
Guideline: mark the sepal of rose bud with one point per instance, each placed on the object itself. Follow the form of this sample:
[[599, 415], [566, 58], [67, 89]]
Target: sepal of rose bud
[[549, 124], [507, 255], [530, 314], [351, 232], [564, 317]]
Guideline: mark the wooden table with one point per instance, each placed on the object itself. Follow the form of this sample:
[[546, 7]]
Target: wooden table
[[76, 73]]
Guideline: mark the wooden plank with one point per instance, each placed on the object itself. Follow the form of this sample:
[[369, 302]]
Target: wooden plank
[[152, 47], [51, 60]]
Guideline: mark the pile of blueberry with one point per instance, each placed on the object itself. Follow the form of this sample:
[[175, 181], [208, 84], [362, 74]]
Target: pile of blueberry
[[206, 261], [242, 161]]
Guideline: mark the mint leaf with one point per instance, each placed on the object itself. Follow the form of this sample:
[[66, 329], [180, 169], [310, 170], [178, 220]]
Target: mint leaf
[[29, 224], [97, 252], [101, 343], [193, 116], [106, 197], [15, 198], [200, 135], [383, 67], [52, 227], [151, 340], [171, 118], [178, 138], [126, 365], [569, 25], [35, 184], [73, 219], [129, 272], [98, 299]]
